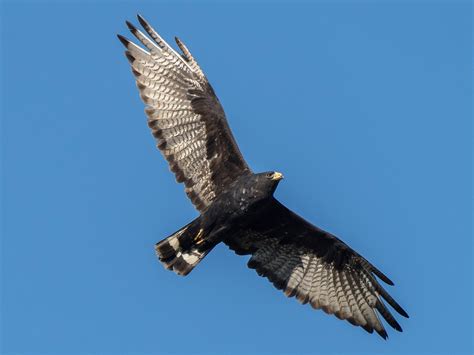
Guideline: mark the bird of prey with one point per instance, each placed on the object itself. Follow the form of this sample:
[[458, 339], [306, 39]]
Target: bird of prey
[[236, 205]]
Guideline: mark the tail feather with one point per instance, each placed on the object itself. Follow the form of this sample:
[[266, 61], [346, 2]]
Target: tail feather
[[174, 256]]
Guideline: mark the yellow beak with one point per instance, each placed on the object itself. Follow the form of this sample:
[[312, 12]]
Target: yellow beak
[[277, 176]]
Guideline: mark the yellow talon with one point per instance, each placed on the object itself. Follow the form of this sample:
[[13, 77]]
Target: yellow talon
[[198, 239]]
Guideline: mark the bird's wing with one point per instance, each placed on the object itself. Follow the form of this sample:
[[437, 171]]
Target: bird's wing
[[316, 267], [185, 116]]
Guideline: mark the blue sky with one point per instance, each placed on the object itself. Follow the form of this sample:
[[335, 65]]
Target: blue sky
[[365, 107]]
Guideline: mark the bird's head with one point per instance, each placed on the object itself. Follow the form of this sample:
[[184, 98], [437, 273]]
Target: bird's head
[[268, 181], [274, 176]]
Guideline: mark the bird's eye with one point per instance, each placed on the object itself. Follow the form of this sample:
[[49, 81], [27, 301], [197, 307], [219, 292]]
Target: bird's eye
[[269, 175]]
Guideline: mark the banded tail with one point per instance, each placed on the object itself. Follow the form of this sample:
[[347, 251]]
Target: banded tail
[[184, 249]]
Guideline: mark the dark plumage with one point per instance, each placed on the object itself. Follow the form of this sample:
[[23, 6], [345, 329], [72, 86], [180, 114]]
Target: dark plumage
[[236, 206]]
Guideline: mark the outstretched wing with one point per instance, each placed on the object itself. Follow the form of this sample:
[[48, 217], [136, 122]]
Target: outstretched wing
[[316, 267], [185, 116]]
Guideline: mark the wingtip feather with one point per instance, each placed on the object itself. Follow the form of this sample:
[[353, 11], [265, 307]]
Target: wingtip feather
[[382, 333], [403, 312], [124, 40], [130, 57], [383, 277], [142, 20], [130, 26]]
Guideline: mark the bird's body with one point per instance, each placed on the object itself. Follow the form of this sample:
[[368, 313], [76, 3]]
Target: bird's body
[[232, 211], [237, 206]]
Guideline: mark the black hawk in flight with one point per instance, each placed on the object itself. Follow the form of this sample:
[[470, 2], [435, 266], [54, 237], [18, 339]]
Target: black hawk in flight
[[236, 205]]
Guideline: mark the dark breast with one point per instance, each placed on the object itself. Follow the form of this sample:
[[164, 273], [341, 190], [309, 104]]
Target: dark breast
[[238, 206]]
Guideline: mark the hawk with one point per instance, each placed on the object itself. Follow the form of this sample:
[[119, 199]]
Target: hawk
[[237, 206]]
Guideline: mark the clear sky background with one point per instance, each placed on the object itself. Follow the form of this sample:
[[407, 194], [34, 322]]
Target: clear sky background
[[365, 107]]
